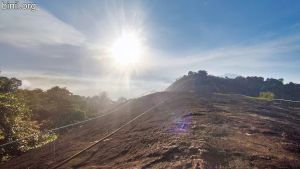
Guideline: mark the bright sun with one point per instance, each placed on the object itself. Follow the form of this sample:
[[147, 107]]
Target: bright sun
[[127, 49]]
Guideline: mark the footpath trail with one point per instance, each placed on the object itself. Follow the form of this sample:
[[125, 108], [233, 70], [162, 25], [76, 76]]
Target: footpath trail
[[186, 131]]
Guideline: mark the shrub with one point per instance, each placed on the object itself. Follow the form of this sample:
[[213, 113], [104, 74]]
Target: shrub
[[70, 117], [267, 95]]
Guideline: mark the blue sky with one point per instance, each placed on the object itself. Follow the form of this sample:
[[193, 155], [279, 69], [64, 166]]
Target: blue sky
[[62, 42]]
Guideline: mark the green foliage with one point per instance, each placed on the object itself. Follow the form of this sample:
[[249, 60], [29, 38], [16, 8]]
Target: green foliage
[[70, 117], [58, 106], [9, 84], [24, 113], [251, 86], [15, 123], [266, 95]]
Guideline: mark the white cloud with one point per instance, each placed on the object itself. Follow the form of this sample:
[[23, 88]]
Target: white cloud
[[261, 58], [253, 52], [27, 28]]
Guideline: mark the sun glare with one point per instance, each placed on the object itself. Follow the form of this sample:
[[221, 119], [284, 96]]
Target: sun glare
[[127, 49]]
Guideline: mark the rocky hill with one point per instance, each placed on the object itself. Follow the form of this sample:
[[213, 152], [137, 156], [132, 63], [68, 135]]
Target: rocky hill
[[252, 86], [188, 130]]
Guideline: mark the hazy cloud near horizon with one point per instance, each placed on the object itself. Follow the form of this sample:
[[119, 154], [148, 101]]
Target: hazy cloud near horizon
[[66, 47]]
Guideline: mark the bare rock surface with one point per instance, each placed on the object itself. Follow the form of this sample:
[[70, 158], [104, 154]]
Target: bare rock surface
[[186, 131]]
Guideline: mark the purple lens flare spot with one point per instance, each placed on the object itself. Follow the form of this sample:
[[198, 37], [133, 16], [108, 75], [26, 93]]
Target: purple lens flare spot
[[181, 125]]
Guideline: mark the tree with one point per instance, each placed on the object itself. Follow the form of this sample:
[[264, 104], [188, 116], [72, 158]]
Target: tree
[[9, 84], [191, 73], [251, 86], [59, 100], [15, 123], [23, 113], [15, 119], [202, 73]]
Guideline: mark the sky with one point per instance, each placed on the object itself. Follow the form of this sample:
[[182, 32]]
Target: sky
[[65, 43]]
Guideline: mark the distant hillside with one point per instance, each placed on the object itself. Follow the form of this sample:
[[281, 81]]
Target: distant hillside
[[202, 82]]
